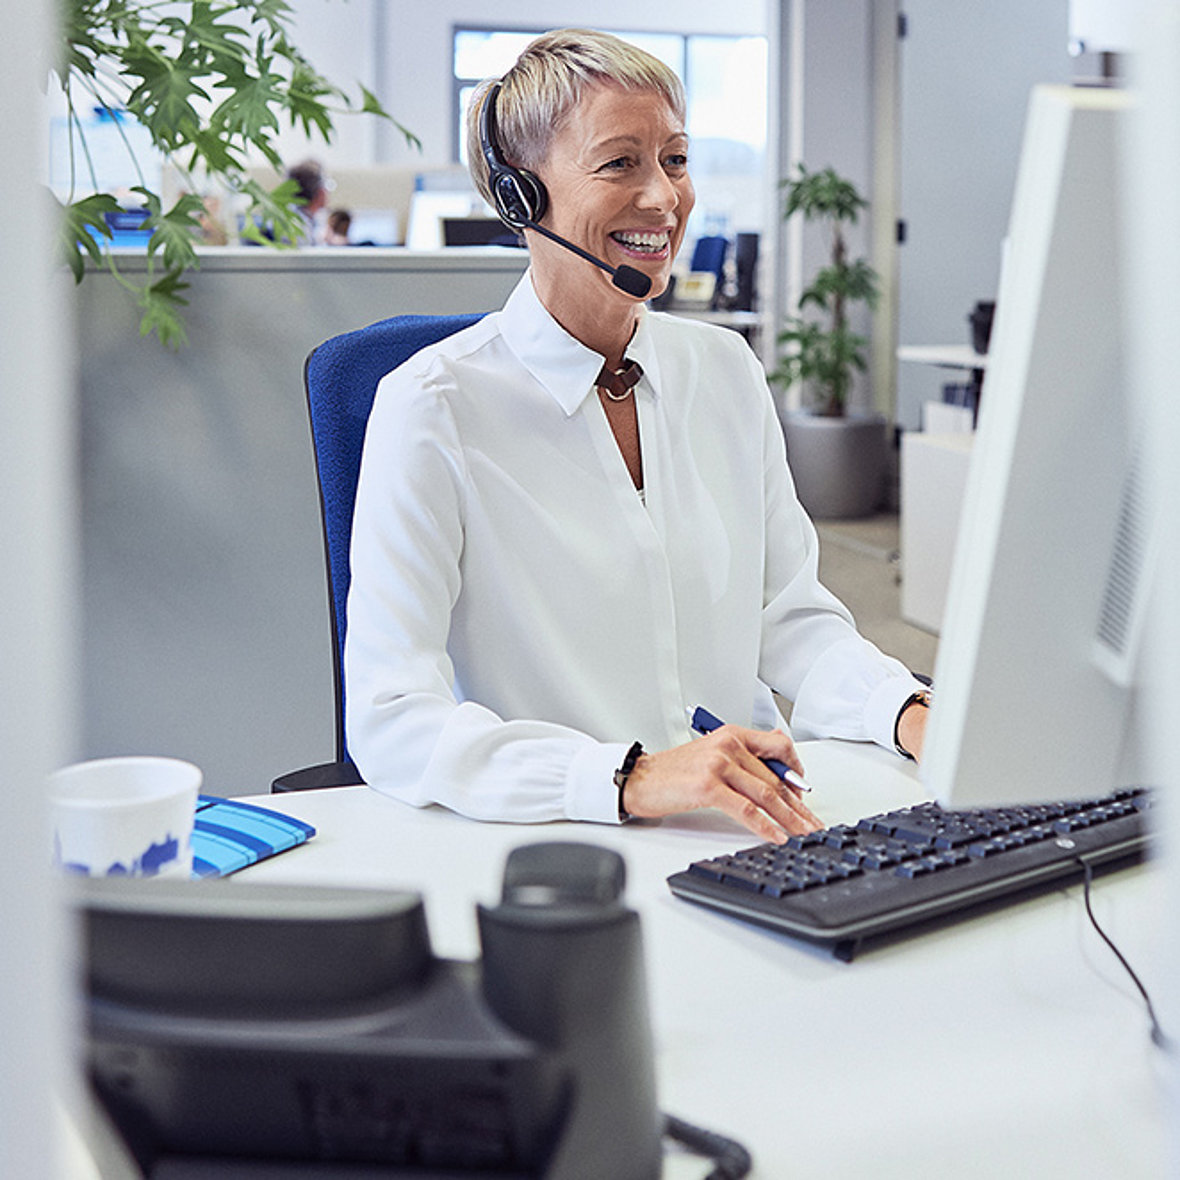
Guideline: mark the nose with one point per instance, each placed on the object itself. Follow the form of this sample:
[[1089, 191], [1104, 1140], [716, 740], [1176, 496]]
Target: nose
[[658, 191]]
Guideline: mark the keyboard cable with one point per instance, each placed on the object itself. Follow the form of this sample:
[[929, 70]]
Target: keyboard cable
[[1158, 1037], [731, 1160]]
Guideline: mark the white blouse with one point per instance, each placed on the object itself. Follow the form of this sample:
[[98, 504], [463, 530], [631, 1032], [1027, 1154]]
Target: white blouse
[[518, 615]]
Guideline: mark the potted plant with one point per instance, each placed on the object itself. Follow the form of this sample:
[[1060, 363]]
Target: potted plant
[[211, 81], [837, 458]]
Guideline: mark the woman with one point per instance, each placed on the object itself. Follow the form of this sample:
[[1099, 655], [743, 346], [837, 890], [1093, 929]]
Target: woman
[[555, 553]]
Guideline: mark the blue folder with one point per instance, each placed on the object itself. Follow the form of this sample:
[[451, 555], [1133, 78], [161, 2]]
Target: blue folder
[[229, 835]]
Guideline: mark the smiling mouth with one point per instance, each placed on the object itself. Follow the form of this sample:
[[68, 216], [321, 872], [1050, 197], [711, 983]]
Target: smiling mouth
[[656, 242]]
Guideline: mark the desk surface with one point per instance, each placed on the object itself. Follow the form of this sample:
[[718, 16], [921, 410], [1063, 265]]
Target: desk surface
[[1012, 1044], [946, 356]]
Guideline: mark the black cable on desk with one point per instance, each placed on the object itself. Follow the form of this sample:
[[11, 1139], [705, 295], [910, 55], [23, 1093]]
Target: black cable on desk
[[1159, 1038], [732, 1161]]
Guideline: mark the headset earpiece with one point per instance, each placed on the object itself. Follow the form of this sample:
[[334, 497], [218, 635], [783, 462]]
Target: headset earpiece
[[520, 197]]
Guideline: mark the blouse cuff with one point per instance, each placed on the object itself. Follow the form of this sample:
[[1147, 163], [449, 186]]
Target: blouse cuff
[[883, 706], [590, 792]]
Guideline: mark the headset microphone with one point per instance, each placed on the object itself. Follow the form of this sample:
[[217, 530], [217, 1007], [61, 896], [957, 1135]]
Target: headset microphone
[[626, 278], [521, 199]]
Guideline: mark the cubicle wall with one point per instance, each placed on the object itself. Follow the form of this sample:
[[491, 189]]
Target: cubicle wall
[[206, 632]]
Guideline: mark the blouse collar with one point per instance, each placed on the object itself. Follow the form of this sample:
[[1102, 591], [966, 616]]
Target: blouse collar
[[562, 364]]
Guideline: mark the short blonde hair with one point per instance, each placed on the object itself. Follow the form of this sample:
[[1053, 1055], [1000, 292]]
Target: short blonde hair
[[548, 80]]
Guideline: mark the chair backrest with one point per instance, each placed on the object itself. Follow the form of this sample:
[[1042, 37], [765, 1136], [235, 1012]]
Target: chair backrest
[[341, 378], [709, 254]]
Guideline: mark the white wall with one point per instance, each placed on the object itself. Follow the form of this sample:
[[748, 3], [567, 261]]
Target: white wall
[[827, 86], [966, 75], [412, 75]]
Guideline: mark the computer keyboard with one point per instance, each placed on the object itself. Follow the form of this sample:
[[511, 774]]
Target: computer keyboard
[[893, 873]]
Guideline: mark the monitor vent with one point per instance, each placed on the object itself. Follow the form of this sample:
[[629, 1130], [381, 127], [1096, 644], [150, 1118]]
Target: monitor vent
[[1125, 582]]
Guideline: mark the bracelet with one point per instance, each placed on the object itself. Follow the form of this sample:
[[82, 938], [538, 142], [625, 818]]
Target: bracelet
[[921, 698], [623, 774]]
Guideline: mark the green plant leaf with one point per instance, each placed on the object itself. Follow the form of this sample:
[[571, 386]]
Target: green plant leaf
[[273, 218], [221, 42], [81, 225], [163, 99], [305, 95], [822, 195], [161, 302], [850, 282], [174, 234], [274, 13], [248, 111]]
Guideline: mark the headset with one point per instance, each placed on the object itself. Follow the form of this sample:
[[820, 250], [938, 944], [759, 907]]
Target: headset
[[520, 197], [521, 200]]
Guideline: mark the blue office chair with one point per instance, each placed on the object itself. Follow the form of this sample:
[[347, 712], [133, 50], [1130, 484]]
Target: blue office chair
[[709, 254], [341, 378]]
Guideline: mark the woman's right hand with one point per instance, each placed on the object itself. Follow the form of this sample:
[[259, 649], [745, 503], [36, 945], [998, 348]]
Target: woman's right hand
[[724, 769]]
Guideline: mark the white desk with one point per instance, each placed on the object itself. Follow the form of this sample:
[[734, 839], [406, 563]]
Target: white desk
[[948, 356], [1010, 1046], [944, 356]]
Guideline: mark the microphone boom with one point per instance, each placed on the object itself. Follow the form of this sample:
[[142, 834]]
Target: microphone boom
[[626, 278]]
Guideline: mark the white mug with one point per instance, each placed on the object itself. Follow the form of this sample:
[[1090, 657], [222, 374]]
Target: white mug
[[125, 816]]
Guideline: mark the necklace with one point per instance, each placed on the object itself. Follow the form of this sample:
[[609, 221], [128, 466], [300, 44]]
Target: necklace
[[617, 384]]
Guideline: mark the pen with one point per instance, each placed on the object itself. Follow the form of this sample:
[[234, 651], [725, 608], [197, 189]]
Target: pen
[[704, 722]]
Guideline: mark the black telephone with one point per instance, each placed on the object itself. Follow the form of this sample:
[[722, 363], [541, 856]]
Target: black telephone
[[239, 1030]]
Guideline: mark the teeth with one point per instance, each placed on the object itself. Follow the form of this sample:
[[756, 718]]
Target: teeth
[[644, 241]]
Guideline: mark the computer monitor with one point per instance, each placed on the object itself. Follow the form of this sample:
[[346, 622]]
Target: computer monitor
[[478, 231], [1034, 679], [373, 227], [428, 207]]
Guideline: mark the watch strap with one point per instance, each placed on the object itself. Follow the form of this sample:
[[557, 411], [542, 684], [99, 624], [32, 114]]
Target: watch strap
[[623, 774]]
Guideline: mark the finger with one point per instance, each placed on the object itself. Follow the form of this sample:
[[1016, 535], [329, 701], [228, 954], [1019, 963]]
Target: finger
[[754, 780], [783, 804], [746, 773], [753, 762], [776, 744], [747, 813], [795, 799]]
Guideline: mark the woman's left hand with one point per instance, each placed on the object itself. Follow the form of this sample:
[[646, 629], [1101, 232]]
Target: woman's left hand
[[911, 729]]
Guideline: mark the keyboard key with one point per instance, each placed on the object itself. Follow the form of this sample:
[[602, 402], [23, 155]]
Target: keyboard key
[[985, 848], [809, 840], [744, 878], [841, 838], [954, 837], [913, 868]]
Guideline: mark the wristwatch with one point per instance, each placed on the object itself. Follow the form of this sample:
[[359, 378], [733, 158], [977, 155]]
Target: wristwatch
[[923, 698], [623, 774]]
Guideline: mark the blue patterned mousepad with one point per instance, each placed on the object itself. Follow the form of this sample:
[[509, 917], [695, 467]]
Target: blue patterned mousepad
[[229, 835]]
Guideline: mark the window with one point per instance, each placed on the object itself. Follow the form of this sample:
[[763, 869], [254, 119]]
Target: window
[[725, 80]]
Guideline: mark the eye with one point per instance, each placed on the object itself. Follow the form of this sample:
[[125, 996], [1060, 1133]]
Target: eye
[[618, 164], [676, 162]]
